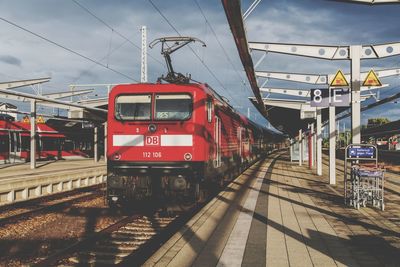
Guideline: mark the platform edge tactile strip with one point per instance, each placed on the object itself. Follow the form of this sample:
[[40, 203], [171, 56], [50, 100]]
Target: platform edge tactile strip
[[233, 252]]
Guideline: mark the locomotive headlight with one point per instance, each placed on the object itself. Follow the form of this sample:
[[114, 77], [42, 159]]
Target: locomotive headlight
[[187, 156], [152, 128], [117, 156]]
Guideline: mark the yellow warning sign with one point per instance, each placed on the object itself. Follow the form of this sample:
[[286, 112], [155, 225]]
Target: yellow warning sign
[[372, 79], [25, 119], [40, 120], [339, 79]]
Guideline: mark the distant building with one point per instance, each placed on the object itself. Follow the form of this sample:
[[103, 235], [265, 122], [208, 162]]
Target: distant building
[[375, 122], [8, 109]]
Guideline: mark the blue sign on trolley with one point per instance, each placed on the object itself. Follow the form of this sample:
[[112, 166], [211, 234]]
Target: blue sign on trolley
[[360, 152]]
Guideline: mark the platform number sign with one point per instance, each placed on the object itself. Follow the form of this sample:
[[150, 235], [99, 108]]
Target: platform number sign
[[338, 97], [319, 97]]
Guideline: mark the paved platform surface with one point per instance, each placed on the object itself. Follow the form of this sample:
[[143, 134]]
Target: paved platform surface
[[280, 214], [20, 170], [18, 182]]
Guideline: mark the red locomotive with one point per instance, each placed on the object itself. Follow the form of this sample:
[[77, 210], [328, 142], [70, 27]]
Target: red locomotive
[[177, 139], [174, 139]]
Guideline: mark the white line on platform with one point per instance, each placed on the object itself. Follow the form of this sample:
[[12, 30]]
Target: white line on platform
[[233, 252]]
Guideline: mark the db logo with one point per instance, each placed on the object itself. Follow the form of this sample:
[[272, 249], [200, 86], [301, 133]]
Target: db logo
[[152, 140]]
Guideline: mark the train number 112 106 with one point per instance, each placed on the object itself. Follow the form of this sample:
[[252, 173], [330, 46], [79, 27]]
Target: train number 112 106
[[151, 154]]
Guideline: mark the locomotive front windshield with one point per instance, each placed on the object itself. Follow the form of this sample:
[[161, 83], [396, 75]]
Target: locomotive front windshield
[[133, 107], [173, 107]]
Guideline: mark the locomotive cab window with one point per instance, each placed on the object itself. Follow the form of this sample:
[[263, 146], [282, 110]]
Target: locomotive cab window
[[133, 107], [173, 106]]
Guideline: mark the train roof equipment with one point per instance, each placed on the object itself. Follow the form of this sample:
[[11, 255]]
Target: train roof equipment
[[168, 46]]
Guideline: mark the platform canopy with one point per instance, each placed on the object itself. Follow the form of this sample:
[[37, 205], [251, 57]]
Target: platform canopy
[[286, 120], [286, 117], [233, 13], [372, 2]]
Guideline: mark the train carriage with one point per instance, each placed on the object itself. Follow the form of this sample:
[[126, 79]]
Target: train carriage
[[51, 143], [4, 141]]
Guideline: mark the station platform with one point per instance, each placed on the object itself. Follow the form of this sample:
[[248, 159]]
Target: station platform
[[18, 182], [280, 214]]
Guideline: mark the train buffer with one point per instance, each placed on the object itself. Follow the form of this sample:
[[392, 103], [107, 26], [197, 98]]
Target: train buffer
[[280, 214]]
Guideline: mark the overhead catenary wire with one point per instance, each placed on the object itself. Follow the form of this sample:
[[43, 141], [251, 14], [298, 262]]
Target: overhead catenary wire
[[67, 49], [103, 58], [195, 54], [220, 44], [218, 41], [109, 47], [114, 30]]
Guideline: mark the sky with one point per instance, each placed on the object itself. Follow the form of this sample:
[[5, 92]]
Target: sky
[[113, 39]]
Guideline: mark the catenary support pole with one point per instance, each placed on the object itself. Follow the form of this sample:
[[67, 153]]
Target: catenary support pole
[[313, 145], [355, 56], [310, 148], [319, 143], [143, 61], [332, 146], [33, 134], [292, 141], [304, 147], [105, 142], [300, 148], [96, 145]]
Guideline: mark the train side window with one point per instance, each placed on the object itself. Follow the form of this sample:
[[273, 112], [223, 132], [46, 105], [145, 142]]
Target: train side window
[[12, 142], [4, 143], [25, 143], [68, 145], [49, 143], [209, 110], [18, 142]]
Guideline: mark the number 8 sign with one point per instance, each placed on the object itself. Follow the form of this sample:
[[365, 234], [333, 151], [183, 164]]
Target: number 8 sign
[[319, 98]]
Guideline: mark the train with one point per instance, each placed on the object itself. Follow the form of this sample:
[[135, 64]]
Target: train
[[176, 141], [54, 141], [385, 136]]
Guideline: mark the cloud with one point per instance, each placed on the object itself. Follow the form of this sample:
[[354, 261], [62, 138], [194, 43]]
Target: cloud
[[88, 74], [300, 21], [10, 60]]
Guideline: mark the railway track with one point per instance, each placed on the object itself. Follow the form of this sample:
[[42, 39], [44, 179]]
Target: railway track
[[128, 241]]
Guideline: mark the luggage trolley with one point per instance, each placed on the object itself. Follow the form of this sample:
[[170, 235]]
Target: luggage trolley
[[366, 182]]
